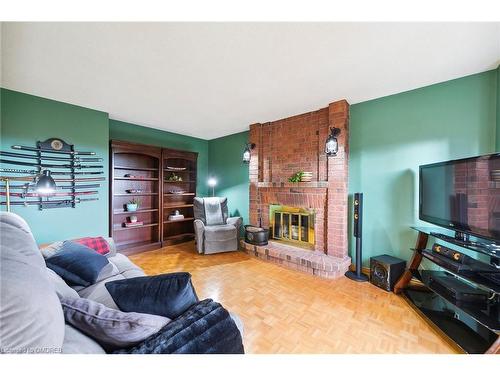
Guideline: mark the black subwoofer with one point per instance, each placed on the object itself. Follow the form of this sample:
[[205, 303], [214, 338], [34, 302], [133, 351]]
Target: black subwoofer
[[385, 270]]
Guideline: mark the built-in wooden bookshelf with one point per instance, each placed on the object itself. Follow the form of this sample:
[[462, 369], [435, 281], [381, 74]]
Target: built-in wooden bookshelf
[[179, 190], [163, 180], [135, 167]]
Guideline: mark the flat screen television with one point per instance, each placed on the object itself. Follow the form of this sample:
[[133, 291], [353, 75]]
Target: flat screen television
[[463, 195]]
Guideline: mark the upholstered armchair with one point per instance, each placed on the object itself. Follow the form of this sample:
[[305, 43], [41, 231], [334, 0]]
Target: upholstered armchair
[[215, 231]]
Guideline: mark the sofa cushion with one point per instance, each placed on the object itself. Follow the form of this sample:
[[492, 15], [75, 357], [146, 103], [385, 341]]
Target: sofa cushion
[[98, 244], [220, 232], [98, 292], [113, 329], [167, 295], [31, 317], [123, 264], [109, 270], [121, 268], [76, 342], [77, 264], [62, 289]]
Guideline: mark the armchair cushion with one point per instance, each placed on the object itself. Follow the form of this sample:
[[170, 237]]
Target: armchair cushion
[[199, 231], [236, 221], [211, 211], [220, 232]]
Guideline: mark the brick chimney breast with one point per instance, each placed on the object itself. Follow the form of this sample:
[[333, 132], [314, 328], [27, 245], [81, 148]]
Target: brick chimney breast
[[294, 144]]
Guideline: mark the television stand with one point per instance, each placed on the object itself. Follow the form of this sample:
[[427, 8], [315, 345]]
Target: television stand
[[461, 236], [469, 327]]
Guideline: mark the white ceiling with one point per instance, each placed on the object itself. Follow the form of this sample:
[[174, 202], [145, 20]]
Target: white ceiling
[[212, 79]]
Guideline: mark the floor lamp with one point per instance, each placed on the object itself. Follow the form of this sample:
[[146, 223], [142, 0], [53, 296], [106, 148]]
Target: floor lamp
[[45, 184], [212, 182]]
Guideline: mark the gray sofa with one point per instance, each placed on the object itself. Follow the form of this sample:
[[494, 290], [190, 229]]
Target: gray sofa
[[215, 231], [31, 317]]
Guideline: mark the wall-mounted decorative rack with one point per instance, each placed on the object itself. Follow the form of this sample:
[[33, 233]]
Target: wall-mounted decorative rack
[[67, 166]]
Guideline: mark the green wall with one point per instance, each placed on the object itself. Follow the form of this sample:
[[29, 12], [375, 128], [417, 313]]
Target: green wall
[[26, 119], [124, 131], [226, 165], [391, 136]]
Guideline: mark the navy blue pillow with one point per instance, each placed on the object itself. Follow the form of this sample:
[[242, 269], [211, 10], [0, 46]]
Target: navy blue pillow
[[77, 264], [167, 295]]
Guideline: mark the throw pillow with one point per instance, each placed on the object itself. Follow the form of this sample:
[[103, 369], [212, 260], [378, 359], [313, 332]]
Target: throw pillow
[[77, 264], [111, 328], [52, 249], [167, 295], [98, 244]]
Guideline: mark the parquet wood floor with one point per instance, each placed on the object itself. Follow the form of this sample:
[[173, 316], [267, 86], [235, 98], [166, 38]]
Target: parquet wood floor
[[285, 311]]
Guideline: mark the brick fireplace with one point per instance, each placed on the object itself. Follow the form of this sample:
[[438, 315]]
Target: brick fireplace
[[293, 144]]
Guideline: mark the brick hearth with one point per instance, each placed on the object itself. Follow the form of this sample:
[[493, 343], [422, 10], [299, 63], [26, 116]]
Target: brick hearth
[[286, 146], [313, 262]]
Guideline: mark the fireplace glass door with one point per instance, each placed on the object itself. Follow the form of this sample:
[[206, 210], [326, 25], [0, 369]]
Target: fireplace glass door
[[296, 226]]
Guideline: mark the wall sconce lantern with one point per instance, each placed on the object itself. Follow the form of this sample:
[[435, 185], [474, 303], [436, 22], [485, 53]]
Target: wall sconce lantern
[[246, 152], [332, 144]]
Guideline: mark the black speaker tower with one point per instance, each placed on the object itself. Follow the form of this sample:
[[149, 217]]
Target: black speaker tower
[[358, 234]]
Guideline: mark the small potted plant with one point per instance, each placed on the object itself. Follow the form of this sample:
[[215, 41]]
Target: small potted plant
[[133, 205], [297, 177]]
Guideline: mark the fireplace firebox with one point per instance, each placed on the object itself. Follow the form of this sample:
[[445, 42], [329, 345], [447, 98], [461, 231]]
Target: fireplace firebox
[[292, 224]]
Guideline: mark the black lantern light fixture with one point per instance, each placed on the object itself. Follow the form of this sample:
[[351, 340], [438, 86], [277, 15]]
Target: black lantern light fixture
[[247, 155], [332, 144], [45, 184]]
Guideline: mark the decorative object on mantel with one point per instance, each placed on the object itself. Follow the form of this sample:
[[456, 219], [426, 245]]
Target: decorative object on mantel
[[297, 177], [246, 152], [41, 178], [306, 177], [332, 144]]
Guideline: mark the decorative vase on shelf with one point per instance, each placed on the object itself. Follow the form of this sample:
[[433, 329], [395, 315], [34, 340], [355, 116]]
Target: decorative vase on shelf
[[133, 219], [132, 207]]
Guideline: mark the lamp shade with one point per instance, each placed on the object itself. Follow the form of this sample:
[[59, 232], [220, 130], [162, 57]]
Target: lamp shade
[[212, 182], [45, 184]]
